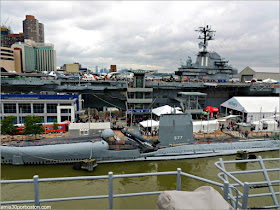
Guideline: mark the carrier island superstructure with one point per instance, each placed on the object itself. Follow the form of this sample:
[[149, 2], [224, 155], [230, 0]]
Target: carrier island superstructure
[[208, 65]]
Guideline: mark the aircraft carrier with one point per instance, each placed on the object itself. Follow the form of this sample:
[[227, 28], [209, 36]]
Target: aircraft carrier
[[97, 94], [209, 74]]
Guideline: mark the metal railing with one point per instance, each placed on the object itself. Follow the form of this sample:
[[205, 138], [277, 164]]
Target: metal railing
[[226, 187], [226, 175]]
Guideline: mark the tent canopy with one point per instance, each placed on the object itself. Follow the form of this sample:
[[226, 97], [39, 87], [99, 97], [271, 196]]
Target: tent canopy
[[166, 109], [253, 104], [211, 109], [209, 122], [149, 123], [271, 81]]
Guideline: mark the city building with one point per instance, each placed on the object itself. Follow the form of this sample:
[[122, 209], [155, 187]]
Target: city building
[[7, 59], [71, 68], [48, 107], [113, 68], [96, 69], [18, 60], [8, 39], [33, 30], [259, 73], [36, 56]]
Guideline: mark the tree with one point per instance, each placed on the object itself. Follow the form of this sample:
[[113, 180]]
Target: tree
[[33, 125], [55, 124], [7, 126]]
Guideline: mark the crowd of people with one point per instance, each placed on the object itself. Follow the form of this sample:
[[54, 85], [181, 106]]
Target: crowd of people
[[150, 133]]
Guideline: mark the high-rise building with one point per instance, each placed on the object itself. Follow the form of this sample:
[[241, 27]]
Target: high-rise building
[[33, 30], [113, 68], [7, 59], [10, 59], [18, 59], [8, 39], [41, 33], [96, 69], [36, 56]]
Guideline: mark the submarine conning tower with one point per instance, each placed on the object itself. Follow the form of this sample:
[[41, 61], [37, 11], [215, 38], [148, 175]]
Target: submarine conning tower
[[175, 129]]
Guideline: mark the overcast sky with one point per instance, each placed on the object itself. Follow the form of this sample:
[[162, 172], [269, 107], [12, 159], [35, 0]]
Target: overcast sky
[[152, 35]]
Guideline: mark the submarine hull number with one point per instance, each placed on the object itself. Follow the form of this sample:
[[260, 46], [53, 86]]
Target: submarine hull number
[[178, 137]]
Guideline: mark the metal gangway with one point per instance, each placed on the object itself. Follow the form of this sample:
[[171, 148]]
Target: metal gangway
[[226, 187], [227, 176]]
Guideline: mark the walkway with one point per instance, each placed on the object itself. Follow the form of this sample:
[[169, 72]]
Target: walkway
[[234, 134]]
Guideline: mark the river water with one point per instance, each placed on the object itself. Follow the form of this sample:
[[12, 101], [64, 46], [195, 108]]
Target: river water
[[203, 167]]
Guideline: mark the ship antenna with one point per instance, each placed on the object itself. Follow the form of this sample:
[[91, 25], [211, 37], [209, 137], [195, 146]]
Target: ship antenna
[[207, 34]]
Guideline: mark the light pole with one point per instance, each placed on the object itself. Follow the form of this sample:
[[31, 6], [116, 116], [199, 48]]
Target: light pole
[[275, 117], [20, 111], [131, 119], [110, 117], [88, 120], [260, 118], [45, 121]]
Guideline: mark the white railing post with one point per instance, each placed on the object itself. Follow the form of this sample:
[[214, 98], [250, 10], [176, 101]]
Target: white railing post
[[245, 195], [178, 186], [266, 176], [226, 190], [36, 191], [110, 190]]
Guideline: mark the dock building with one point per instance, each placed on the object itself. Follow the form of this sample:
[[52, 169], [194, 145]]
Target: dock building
[[48, 107], [259, 73]]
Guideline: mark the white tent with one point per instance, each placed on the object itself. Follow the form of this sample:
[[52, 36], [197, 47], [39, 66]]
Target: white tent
[[271, 81], [270, 125], [229, 117], [165, 110], [150, 123], [258, 125], [205, 126], [266, 125], [256, 108]]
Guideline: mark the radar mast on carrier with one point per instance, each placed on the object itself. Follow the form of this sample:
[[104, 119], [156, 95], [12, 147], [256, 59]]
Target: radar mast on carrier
[[207, 34]]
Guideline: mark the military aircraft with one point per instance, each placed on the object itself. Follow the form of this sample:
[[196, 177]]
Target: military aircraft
[[61, 76]]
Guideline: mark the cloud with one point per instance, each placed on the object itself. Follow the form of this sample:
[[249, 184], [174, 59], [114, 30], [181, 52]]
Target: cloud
[[153, 35]]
